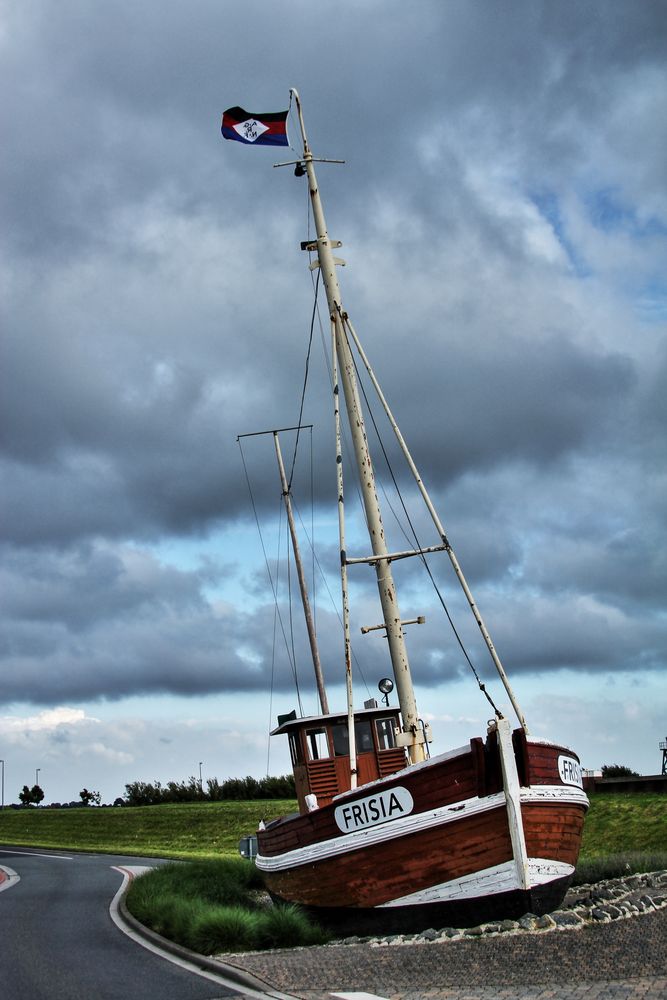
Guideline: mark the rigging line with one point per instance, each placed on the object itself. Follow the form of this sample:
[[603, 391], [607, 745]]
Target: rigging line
[[345, 442], [305, 381], [291, 654], [289, 597], [268, 570], [348, 449], [273, 664], [480, 684], [312, 532], [289, 108], [328, 590]]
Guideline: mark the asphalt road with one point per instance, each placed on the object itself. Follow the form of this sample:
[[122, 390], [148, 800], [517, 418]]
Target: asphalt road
[[58, 940]]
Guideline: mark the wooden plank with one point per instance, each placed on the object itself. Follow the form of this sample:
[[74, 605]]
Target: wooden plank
[[399, 867]]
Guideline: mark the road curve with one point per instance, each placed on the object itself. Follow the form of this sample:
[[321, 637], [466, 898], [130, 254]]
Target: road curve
[[60, 942]]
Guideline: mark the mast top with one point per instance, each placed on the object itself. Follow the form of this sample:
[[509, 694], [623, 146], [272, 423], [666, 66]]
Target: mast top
[[307, 154]]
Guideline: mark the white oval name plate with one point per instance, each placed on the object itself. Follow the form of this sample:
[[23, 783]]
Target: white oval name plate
[[570, 771], [374, 809]]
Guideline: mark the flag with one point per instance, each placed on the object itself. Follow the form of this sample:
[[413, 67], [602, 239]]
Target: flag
[[259, 130]]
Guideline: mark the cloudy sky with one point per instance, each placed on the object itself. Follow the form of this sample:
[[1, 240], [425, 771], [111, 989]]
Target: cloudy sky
[[503, 210]]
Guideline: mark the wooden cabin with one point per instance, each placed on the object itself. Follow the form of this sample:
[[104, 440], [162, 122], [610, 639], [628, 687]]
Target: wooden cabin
[[320, 751]]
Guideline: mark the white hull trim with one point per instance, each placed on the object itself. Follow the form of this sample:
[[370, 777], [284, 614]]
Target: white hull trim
[[489, 882], [406, 825]]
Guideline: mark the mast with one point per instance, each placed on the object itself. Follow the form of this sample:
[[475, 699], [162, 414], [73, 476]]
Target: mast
[[310, 627], [303, 588], [381, 558], [413, 736]]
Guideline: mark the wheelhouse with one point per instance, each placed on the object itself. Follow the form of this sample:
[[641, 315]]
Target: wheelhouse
[[320, 751]]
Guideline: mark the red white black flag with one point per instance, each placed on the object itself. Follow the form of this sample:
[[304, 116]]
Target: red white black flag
[[258, 130]]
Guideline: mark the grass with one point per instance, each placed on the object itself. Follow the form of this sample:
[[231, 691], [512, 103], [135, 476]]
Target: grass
[[615, 824], [620, 823], [182, 831], [217, 906], [618, 865], [623, 834], [213, 905]]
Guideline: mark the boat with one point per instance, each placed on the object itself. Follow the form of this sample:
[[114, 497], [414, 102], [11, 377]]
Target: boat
[[388, 836]]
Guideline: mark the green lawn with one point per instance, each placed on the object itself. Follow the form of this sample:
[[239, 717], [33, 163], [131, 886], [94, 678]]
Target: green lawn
[[615, 824], [187, 830]]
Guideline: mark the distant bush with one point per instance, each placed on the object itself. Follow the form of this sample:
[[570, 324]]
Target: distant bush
[[144, 793], [618, 771], [89, 798]]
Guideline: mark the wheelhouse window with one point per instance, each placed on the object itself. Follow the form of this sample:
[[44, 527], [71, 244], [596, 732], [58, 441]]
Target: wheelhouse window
[[385, 733], [340, 741], [318, 744], [295, 749], [363, 738]]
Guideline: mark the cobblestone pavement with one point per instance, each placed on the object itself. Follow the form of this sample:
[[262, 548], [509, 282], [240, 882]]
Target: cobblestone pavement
[[622, 960]]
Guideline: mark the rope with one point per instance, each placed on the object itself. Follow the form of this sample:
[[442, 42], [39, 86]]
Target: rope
[[305, 383], [422, 555], [268, 570], [273, 663]]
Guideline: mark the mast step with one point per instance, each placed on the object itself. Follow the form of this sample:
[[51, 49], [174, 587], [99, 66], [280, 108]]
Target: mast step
[[311, 245]]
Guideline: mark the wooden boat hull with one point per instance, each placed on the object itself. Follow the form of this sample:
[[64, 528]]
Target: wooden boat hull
[[433, 843]]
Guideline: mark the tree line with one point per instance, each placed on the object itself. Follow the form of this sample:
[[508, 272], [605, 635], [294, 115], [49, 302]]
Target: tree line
[[146, 793], [35, 795]]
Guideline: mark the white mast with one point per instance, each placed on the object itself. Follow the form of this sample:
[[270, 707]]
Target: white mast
[[413, 736], [310, 626]]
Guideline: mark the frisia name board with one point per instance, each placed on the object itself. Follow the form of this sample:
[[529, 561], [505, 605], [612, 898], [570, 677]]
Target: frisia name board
[[570, 771], [390, 804]]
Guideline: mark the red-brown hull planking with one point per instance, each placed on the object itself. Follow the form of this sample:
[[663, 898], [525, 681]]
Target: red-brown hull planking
[[450, 854]]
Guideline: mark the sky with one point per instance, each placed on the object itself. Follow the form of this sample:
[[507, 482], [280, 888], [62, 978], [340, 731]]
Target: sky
[[503, 215]]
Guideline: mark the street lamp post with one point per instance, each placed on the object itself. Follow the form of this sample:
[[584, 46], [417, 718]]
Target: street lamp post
[[2, 798]]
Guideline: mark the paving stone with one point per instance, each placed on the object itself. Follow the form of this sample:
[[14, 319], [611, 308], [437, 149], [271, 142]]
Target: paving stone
[[580, 960], [508, 925]]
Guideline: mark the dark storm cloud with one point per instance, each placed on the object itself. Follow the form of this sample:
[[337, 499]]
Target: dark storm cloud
[[155, 305], [102, 623]]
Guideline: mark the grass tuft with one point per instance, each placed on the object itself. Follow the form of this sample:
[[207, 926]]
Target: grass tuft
[[597, 869], [217, 906], [225, 928], [286, 926]]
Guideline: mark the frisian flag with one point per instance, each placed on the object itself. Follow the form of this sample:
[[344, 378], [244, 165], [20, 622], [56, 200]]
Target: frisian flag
[[258, 130]]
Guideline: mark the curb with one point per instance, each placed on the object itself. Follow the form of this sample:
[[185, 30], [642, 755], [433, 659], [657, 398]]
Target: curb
[[8, 877], [194, 958]]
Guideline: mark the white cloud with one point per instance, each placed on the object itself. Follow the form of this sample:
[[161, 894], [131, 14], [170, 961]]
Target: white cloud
[[44, 722]]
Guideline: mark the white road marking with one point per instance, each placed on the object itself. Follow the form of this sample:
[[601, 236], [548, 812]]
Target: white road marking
[[10, 879], [34, 854], [358, 996], [129, 872]]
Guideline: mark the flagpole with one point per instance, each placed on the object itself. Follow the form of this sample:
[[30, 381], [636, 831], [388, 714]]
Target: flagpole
[[413, 736], [297, 100]]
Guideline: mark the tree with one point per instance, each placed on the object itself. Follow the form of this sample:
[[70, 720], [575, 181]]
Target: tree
[[90, 798], [618, 771], [31, 796]]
